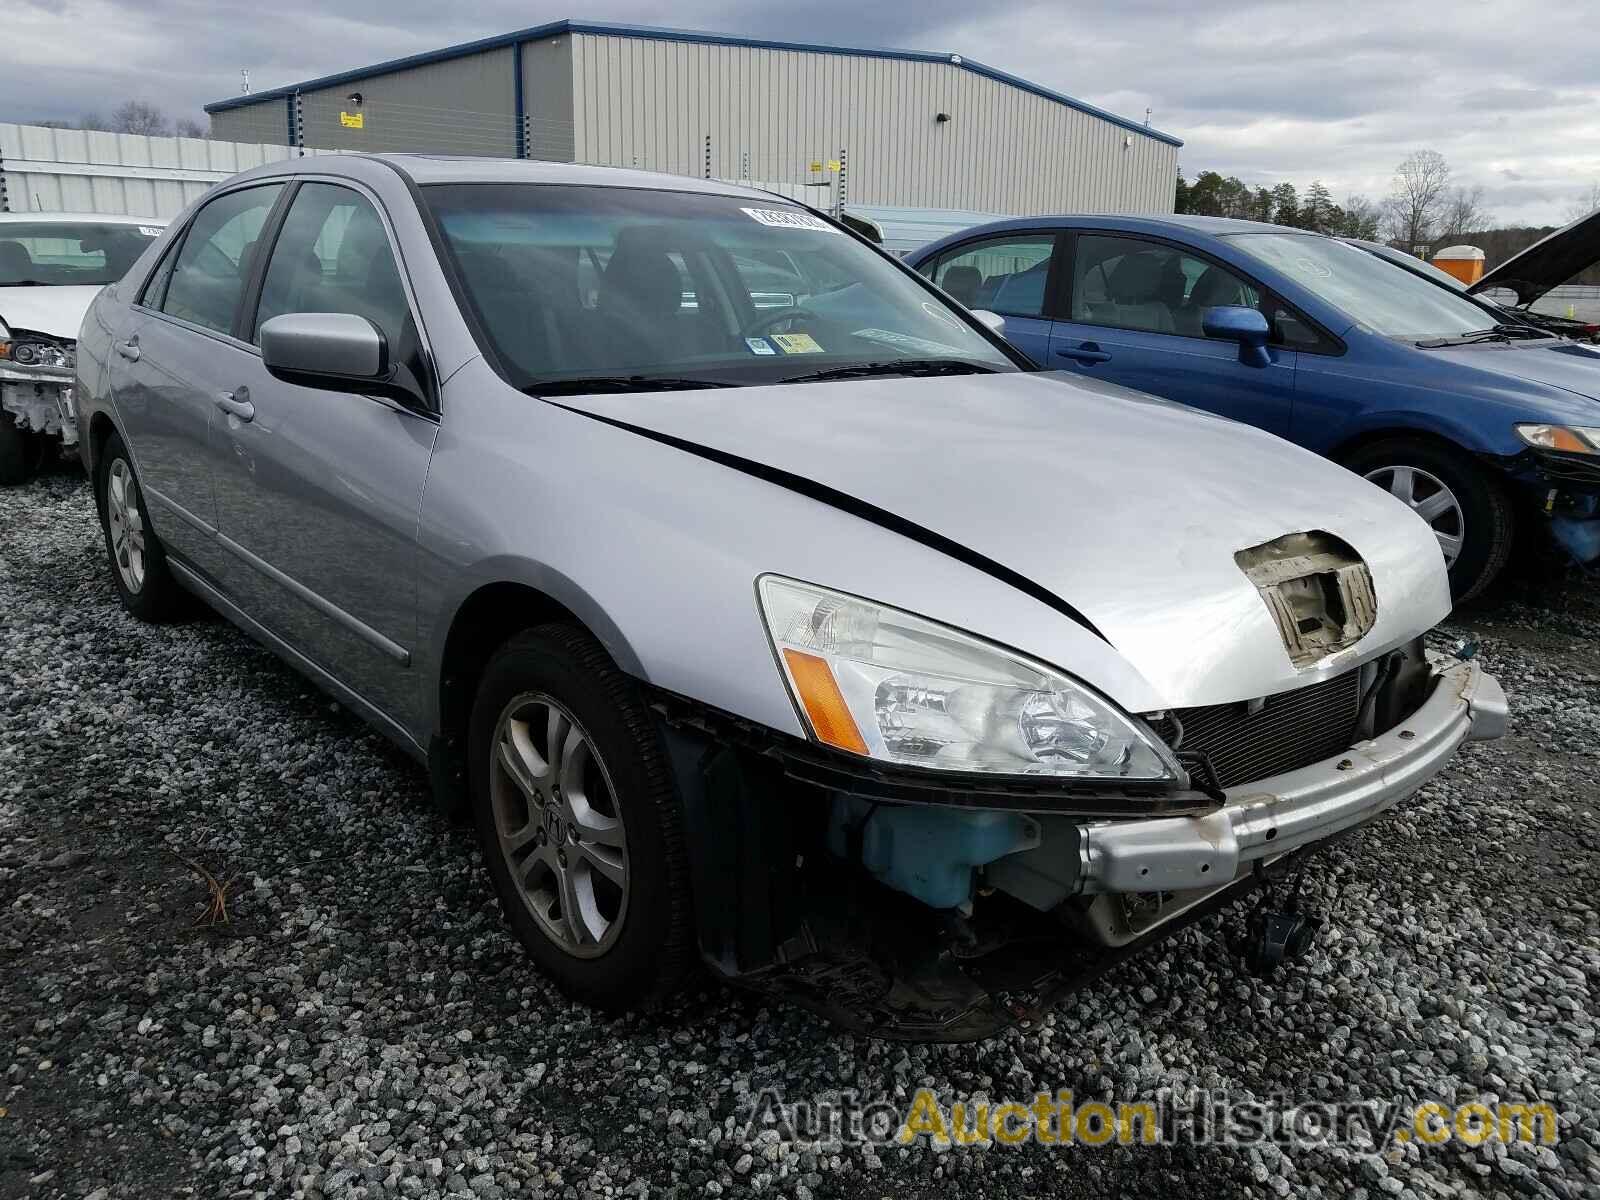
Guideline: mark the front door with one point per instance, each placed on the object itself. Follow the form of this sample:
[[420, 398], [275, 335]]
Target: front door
[[1135, 319], [173, 358], [318, 491]]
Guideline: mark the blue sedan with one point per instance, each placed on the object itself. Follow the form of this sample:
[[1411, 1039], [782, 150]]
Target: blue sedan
[[1481, 425]]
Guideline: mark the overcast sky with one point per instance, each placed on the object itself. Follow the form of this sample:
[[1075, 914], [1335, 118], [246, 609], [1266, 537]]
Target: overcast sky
[[1341, 90]]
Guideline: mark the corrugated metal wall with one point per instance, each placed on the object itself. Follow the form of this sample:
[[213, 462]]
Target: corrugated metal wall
[[74, 170], [771, 113], [458, 106]]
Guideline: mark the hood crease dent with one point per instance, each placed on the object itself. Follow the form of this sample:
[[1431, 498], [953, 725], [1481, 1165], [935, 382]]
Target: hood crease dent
[[1119, 511]]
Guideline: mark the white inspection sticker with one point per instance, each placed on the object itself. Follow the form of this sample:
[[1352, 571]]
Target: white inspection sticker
[[787, 218], [150, 230]]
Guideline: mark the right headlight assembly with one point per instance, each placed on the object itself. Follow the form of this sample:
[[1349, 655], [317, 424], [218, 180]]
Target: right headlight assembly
[[882, 683]]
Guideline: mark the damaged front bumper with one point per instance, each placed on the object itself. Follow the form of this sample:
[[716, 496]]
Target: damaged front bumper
[[901, 908], [41, 399], [1269, 817]]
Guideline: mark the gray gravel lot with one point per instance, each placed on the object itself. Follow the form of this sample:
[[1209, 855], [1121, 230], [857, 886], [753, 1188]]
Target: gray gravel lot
[[364, 1026]]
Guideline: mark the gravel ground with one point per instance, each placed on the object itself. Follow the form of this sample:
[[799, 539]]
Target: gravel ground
[[364, 1026]]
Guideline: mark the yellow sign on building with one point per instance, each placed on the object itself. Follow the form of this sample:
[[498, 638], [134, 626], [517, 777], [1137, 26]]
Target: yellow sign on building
[[353, 120]]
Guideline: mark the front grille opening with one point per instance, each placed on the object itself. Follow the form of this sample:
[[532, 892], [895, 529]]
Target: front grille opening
[[1252, 740]]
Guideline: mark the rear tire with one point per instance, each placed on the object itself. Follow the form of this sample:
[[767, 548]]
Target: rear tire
[[21, 451], [137, 559], [579, 821], [1432, 476]]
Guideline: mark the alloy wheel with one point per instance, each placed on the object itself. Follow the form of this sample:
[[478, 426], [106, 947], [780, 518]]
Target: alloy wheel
[[1431, 500], [127, 525], [558, 825]]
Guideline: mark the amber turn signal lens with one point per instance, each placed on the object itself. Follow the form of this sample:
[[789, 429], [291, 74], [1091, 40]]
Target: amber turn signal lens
[[824, 704]]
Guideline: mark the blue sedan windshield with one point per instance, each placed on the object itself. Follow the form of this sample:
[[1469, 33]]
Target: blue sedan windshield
[[1391, 302]]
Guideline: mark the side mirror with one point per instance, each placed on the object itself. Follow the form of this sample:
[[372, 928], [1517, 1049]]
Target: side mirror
[[327, 350], [1236, 323], [992, 321]]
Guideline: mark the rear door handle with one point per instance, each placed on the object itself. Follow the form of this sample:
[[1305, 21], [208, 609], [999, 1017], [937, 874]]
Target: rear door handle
[[237, 404], [1086, 353], [129, 349]]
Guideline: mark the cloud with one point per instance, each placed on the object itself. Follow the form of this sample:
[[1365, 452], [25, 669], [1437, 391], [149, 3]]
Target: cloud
[[1281, 90]]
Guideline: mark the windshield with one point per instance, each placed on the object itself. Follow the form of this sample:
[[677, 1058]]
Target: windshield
[[684, 288], [56, 252], [1366, 289]]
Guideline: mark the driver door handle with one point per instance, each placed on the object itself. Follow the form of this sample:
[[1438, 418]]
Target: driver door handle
[[237, 403], [1086, 353], [129, 349]]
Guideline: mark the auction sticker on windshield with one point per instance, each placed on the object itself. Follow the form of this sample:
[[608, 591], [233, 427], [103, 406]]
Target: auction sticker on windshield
[[779, 218], [796, 343], [759, 346]]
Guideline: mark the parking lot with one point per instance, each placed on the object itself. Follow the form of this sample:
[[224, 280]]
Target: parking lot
[[364, 1024]]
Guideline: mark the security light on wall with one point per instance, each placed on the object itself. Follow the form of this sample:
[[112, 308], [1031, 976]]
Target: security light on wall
[[354, 98], [941, 118]]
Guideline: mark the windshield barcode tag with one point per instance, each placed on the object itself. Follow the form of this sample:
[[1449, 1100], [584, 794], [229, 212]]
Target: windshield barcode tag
[[780, 218]]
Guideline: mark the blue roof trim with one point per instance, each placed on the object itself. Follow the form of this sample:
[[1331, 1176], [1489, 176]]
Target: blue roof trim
[[605, 28]]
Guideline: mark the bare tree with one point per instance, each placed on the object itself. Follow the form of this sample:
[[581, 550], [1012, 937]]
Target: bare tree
[[1584, 204], [1463, 212], [93, 120], [1361, 217], [136, 116], [1417, 197], [190, 128]]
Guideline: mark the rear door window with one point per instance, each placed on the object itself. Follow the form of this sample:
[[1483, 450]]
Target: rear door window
[[215, 260], [1005, 274]]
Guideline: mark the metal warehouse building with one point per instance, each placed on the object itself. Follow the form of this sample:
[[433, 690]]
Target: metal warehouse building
[[828, 123]]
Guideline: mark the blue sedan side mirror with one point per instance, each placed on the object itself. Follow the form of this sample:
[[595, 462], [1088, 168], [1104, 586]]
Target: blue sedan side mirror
[[1235, 323]]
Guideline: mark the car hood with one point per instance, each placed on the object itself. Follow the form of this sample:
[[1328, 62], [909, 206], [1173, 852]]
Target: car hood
[[54, 311], [1571, 366], [1127, 508], [1547, 263]]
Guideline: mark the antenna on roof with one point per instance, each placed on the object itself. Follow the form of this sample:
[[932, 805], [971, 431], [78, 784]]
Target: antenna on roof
[[244, 73], [1147, 116]]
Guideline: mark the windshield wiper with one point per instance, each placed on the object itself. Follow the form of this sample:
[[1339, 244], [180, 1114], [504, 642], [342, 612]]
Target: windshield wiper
[[579, 385], [25, 283], [1499, 333], [896, 366]]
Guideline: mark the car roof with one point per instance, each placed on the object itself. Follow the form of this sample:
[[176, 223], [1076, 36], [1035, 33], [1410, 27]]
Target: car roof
[[77, 218], [448, 168], [1155, 223]]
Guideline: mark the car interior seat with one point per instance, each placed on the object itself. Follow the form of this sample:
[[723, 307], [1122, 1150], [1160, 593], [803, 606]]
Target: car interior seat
[[962, 283], [1134, 292]]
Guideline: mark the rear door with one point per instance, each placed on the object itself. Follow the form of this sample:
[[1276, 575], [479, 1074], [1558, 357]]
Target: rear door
[[1133, 316], [176, 355], [1013, 274], [318, 491]]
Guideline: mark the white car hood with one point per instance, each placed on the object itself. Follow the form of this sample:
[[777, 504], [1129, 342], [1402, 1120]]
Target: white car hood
[[56, 311], [1128, 508]]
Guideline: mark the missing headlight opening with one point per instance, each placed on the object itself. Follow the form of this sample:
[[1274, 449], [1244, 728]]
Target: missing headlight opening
[[1317, 589]]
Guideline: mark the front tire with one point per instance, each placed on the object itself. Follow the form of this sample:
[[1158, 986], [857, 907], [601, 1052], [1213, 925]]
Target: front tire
[[1469, 511], [138, 561], [579, 821], [21, 452]]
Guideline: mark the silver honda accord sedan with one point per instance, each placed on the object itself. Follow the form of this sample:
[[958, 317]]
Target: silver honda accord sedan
[[759, 605]]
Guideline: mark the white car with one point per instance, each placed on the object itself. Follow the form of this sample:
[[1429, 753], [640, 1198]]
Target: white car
[[52, 265]]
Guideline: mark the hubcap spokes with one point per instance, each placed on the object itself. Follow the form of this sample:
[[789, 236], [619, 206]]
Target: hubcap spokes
[[1431, 500], [127, 526], [558, 825]]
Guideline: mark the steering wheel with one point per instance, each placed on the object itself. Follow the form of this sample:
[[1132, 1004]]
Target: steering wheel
[[764, 322]]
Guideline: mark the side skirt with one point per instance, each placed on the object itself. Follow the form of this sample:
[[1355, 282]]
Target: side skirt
[[374, 716]]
